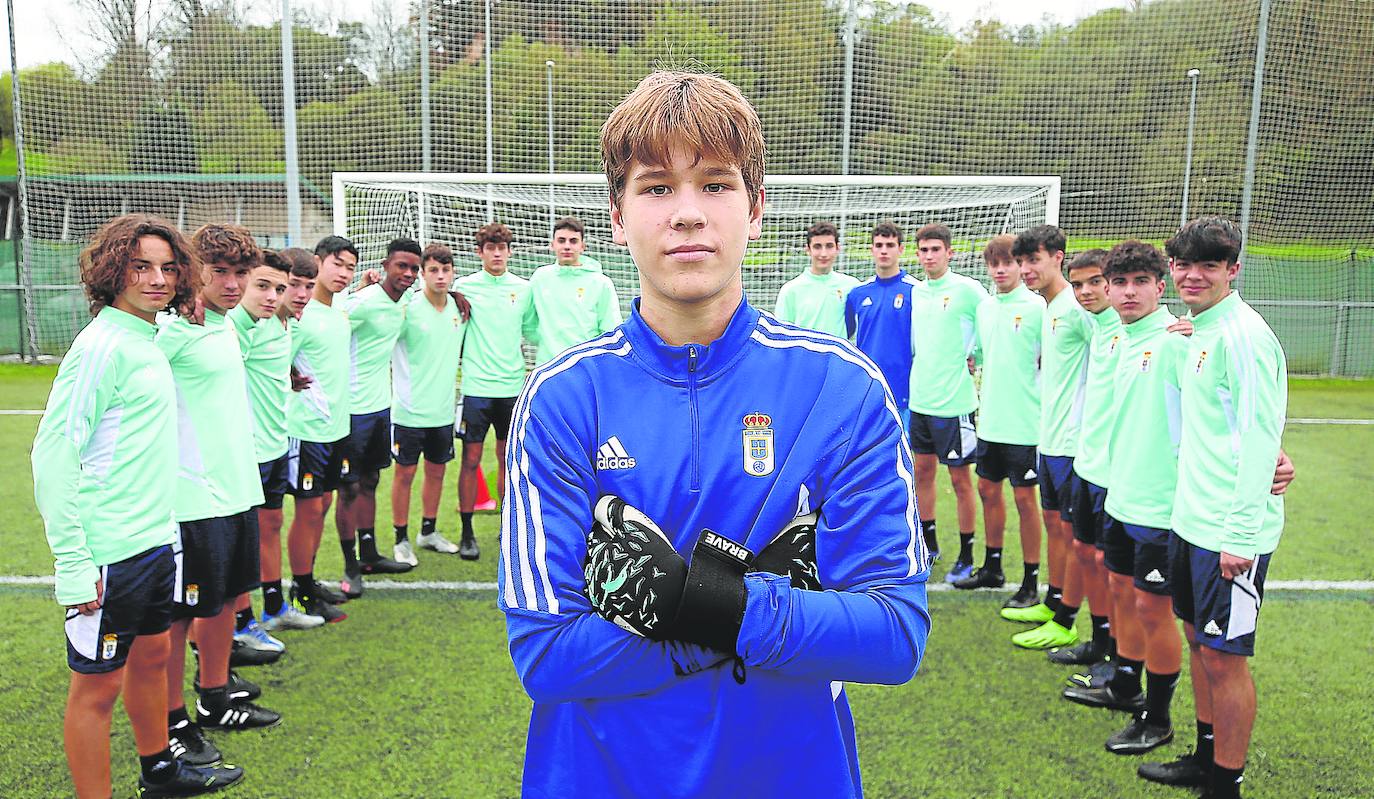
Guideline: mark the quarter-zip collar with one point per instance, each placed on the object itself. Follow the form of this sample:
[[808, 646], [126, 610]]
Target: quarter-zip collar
[[698, 362], [128, 321], [1018, 294], [1210, 316]]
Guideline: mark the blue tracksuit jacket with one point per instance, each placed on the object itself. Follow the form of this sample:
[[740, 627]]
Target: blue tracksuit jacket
[[739, 436], [877, 313]]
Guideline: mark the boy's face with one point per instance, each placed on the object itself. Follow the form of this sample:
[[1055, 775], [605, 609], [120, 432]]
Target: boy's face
[[1089, 288], [687, 224], [401, 269], [438, 276], [222, 284], [1039, 269], [1202, 284], [1006, 275], [934, 255], [265, 293], [150, 278], [299, 290], [336, 271], [1135, 295], [887, 251], [567, 246], [822, 250], [494, 255]]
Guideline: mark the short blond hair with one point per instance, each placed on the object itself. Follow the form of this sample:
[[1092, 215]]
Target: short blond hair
[[705, 114]]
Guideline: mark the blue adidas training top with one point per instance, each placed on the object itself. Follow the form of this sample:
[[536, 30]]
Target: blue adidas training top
[[740, 436], [877, 313]]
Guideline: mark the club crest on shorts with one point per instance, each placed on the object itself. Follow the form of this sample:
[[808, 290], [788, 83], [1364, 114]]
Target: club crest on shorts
[[343, 468], [1145, 361], [897, 301], [307, 481], [109, 645], [193, 594], [758, 444]]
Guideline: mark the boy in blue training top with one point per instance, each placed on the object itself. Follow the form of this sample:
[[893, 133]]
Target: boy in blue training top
[[648, 465]]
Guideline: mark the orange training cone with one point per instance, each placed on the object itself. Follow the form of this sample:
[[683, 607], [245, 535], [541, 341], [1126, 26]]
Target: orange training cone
[[484, 500]]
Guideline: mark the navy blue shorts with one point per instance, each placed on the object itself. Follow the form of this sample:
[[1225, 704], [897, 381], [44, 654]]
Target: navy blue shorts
[[1088, 514], [408, 443], [274, 481], [1012, 462], [1056, 485], [218, 561], [480, 413], [1139, 552], [1223, 612], [137, 601], [313, 468], [369, 444], [952, 439]]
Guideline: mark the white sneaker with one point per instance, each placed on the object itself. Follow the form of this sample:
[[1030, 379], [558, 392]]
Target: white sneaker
[[404, 553], [438, 543], [255, 637], [291, 618]]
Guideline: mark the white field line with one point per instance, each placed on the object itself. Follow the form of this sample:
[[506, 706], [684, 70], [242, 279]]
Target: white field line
[[934, 588]]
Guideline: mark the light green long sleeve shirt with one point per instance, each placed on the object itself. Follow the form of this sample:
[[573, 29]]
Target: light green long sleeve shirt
[[570, 305], [815, 301], [1093, 462], [493, 362], [1008, 346], [266, 348], [319, 351], [375, 321], [942, 339], [1064, 338]]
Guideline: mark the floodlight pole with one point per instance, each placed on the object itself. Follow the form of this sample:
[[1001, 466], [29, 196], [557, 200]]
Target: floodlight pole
[[288, 95], [548, 68], [1252, 146], [850, 32], [1188, 157], [26, 240], [425, 142], [486, 44]]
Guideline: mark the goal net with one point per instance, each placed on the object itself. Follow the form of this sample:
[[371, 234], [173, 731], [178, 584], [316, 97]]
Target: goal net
[[373, 208]]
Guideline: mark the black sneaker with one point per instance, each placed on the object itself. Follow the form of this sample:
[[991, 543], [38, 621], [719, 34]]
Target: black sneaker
[[1081, 655], [352, 582], [982, 578], [239, 688], [314, 606], [381, 565], [329, 594], [1106, 696], [468, 549], [242, 655], [1139, 737], [1188, 769], [192, 780], [189, 744], [240, 715], [1023, 598], [1097, 675]]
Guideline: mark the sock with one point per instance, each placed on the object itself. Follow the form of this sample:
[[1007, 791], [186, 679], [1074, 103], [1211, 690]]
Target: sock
[[1226, 782], [178, 716], [1054, 597], [1206, 738], [1064, 615], [1102, 632], [467, 525], [992, 560], [928, 533], [305, 583], [350, 553], [1159, 694], [271, 598], [1030, 580], [428, 526], [158, 768], [367, 543], [214, 700], [242, 618], [966, 547], [1126, 680], [402, 532], [1111, 647]]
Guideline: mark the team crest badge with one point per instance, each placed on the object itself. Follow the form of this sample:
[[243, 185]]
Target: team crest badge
[[396, 448], [109, 645], [343, 468], [758, 444], [1054, 324], [193, 594], [1145, 361], [1201, 359], [1112, 348], [1016, 324], [307, 481], [581, 290], [945, 306], [898, 300], [512, 298], [839, 294]]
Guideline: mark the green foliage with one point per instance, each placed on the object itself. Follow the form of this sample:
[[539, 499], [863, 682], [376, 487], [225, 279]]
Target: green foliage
[[234, 133], [162, 141]]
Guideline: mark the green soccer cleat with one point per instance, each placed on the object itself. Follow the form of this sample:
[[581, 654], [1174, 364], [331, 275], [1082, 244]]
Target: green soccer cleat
[[1035, 614], [1047, 635]]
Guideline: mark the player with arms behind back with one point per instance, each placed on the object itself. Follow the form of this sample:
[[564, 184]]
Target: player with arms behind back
[[694, 435]]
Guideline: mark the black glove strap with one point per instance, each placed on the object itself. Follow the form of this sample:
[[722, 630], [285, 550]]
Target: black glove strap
[[712, 607]]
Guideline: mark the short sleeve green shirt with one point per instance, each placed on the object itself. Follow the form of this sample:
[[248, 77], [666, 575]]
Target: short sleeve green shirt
[[1065, 335], [424, 367], [375, 320], [1008, 328], [493, 362], [266, 348], [815, 302], [942, 339], [1093, 462], [319, 346]]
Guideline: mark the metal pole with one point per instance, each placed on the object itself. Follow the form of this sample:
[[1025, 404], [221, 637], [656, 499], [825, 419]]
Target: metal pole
[[486, 44], [1252, 146], [288, 96], [1188, 158], [850, 32], [424, 87], [548, 68], [26, 241]]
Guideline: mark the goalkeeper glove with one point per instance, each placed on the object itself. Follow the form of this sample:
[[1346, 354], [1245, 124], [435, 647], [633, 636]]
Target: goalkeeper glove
[[793, 554]]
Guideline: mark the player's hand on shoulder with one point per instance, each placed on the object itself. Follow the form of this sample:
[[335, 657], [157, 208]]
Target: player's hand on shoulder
[[372, 276], [1182, 325], [464, 307]]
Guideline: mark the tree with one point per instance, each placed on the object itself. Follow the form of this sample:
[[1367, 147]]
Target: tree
[[162, 141]]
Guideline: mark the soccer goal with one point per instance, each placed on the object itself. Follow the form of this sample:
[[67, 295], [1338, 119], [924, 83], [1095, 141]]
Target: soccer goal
[[371, 208]]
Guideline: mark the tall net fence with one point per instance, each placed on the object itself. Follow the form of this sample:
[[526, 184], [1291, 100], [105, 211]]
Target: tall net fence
[[179, 107]]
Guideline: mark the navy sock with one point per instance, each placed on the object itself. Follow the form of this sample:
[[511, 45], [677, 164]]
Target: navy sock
[[1064, 615], [1159, 694], [992, 560], [1126, 680], [271, 598], [428, 526], [928, 533], [1226, 782], [367, 543], [1206, 739], [1102, 632], [966, 547], [1030, 580], [467, 525], [1054, 597], [402, 532], [242, 618], [158, 768]]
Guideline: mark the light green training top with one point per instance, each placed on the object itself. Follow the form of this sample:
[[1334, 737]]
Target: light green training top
[[218, 473], [375, 320], [1143, 439], [942, 339], [319, 351], [1008, 346], [493, 363], [266, 348], [570, 305], [1065, 334], [1234, 382], [104, 458], [815, 302], [424, 367], [1093, 462]]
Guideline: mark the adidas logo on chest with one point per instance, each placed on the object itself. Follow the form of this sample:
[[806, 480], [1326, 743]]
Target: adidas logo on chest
[[612, 455]]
